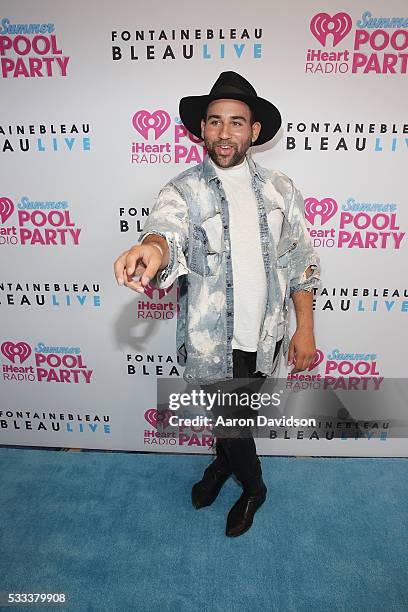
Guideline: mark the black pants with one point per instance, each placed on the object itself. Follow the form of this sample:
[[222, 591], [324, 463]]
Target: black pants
[[236, 451]]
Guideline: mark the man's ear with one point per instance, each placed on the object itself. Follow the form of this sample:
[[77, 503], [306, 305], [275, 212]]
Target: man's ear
[[202, 128], [256, 128]]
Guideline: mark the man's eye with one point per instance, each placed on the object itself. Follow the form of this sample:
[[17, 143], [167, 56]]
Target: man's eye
[[236, 123]]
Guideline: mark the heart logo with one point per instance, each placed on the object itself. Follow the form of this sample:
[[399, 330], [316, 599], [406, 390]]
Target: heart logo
[[325, 209], [151, 417], [318, 358], [12, 350], [155, 291], [322, 24], [158, 121], [6, 209]]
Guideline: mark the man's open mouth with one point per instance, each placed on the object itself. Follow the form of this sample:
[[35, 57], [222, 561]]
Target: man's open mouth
[[224, 149]]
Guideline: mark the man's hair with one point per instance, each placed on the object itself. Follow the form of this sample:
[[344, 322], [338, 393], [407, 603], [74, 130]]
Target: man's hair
[[251, 115]]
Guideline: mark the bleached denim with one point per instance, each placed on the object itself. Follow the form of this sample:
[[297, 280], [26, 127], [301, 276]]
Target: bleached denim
[[191, 212]]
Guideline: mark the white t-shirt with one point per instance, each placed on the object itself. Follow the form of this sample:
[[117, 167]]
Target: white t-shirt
[[250, 289]]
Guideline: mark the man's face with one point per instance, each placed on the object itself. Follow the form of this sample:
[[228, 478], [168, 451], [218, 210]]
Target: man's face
[[227, 131]]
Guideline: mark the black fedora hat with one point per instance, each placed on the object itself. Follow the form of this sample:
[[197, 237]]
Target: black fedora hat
[[232, 86]]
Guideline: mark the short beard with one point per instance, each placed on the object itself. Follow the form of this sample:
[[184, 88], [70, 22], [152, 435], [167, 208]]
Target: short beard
[[237, 157]]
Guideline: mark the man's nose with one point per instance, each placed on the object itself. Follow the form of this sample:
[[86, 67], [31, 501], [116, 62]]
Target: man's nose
[[224, 132]]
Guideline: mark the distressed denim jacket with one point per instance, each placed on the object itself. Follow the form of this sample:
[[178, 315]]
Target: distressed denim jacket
[[191, 212]]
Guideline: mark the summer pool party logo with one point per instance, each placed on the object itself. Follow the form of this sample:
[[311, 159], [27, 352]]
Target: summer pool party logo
[[29, 50], [61, 364], [375, 44], [359, 225], [339, 370], [37, 223]]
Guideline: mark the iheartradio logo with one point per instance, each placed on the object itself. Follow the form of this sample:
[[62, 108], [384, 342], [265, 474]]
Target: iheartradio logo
[[158, 121], [155, 292], [13, 350], [153, 418], [338, 26], [6, 209], [325, 209]]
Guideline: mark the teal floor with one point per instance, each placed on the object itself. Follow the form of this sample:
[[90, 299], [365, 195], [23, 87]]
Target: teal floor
[[117, 531]]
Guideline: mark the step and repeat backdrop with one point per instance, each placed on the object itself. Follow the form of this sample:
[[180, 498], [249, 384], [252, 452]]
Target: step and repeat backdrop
[[90, 132]]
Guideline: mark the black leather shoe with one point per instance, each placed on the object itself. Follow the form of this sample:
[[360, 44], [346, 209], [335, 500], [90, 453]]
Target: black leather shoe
[[241, 515], [206, 490]]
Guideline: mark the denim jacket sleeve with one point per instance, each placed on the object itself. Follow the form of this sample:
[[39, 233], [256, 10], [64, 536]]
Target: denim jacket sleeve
[[304, 255], [169, 218]]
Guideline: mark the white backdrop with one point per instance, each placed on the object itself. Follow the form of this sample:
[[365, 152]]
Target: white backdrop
[[90, 133]]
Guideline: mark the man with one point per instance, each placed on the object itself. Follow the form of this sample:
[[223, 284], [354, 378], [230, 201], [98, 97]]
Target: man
[[234, 235]]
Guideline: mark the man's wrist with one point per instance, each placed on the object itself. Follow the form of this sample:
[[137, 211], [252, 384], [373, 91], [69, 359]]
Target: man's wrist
[[157, 247], [161, 244], [305, 328]]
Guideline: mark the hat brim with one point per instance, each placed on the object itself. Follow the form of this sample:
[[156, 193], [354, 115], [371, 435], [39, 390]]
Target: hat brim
[[192, 109]]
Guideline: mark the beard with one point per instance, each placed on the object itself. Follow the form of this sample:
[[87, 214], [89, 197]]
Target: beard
[[223, 161]]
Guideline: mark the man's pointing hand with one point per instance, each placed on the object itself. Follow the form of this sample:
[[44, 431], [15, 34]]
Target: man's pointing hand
[[142, 260]]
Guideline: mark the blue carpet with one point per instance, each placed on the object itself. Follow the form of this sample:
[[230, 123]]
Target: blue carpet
[[116, 531]]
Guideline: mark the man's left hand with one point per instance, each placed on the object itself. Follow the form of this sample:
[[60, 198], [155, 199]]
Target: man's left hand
[[302, 350]]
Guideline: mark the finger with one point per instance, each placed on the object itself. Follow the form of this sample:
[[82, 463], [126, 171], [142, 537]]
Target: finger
[[132, 260], [136, 285], [291, 353], [309, 362], [301, 363], [299, 366], [119, 268], [153, 262], [140, 268]]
